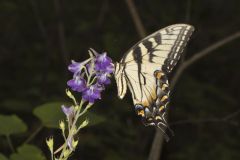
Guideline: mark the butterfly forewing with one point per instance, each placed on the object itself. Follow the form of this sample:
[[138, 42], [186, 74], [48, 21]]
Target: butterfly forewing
[[159, 51]]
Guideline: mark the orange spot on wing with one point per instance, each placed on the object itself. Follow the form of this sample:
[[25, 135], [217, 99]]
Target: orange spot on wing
[[158, 74], [158, 117], [164, 86], [164, 98], [161, 108], [140, 113]]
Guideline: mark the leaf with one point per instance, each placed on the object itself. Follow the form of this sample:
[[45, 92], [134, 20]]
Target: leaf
[[11, 125], [50, 114], [27, 152], [2, 157]]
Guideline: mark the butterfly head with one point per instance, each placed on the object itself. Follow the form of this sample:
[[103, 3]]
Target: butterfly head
[[139, 109]]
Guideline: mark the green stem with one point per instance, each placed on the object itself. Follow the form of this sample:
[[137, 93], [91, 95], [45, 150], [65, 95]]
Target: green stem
[[86, 71], [64, 136], [33, 134], [71, 129], [85, 110], [52, 157], [80, 106], [63, 150], [10, 143], [93, 80], [90, 75], [78, 114]]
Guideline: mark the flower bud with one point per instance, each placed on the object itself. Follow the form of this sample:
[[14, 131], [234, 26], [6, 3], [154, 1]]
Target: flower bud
[[69, 93], [84, 124], [74, 143], [50, 142], [66, 153], [62, 125]]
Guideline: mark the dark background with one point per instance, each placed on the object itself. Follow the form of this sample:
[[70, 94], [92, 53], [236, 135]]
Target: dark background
[[39, 38]]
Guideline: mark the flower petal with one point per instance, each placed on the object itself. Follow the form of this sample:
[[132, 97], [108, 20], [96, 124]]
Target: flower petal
[[75, 67], [68, 111], [103, 78], [104, 63], [92, 93], [77, 84]]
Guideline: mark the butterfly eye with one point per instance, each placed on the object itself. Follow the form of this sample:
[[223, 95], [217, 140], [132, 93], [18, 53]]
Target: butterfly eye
[[138, 107]]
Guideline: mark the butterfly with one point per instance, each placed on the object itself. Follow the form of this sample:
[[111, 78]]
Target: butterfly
[[144, 69]]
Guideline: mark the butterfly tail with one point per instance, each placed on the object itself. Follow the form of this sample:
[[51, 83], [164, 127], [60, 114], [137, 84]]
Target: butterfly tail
[[166, 130]]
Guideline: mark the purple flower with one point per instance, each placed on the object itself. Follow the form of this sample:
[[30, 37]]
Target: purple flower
[[103, 63], [68, 111], [109, 68], [92, 93], [75, 67], [77, 84], [102, 78]]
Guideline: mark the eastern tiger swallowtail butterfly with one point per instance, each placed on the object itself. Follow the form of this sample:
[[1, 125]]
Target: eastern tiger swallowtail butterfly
[[144, 69]]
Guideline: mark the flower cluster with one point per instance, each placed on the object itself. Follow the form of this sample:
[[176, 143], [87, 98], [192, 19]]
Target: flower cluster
[[89, 79], [97, 70]]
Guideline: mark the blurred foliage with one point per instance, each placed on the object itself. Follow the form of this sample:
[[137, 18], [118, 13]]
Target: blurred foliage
[[34, 72], [2, 157], [11, 125], [50, 114], [93, 118], [28, 152]]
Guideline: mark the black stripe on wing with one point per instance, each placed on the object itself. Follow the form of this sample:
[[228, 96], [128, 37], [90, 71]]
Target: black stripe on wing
[[175, 53], [150, 44], [137, 54]]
